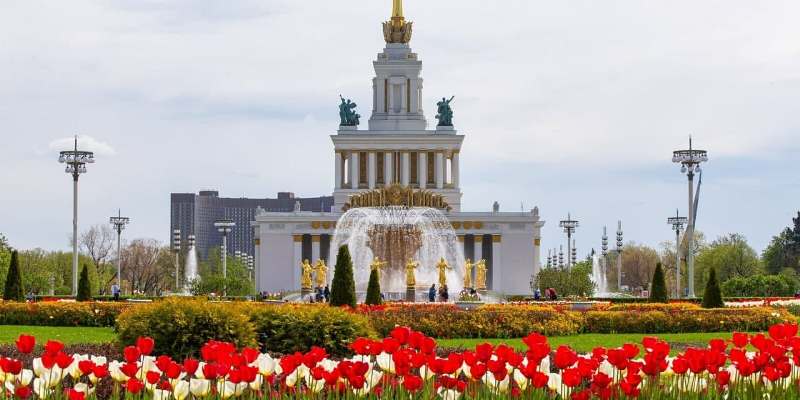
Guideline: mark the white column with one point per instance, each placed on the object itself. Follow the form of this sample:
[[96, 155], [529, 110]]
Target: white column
[[297, 261], [372, 172], [388, 171], [478, 247], [439, 165], [414, 106], [354, 175], [422, 169], [405, 171], [497, 271], [338, 168], [391, 98], [537, 250], [455, 171], [314, 248]]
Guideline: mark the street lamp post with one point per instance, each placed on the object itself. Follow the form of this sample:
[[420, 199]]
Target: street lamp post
[[561, 256], [619, 256], [176, 248], [574, 252], [76, 161], [119, 223], [690, 161], [677, 223], [569, 226], [224, 226], [604, 248]]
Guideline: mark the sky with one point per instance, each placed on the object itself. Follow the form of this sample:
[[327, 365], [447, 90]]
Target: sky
[[573, 106]]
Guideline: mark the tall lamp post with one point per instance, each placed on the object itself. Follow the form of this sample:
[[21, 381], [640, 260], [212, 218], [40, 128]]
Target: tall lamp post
[[224, 226], [677, 223], [569, 226], [604, 248], [690, 161], [176, 248], [76, 161], [119, 223], [619, 256]]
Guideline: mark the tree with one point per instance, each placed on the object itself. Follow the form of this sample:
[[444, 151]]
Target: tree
[[237, 283], [5, 259], [730, 256], [658, 288], [98, 243], [638, 264], [374, 289], [784, 250], [712, 298], [343, 287], [149, 267], [13, 288], [575, 281], [84, 286]]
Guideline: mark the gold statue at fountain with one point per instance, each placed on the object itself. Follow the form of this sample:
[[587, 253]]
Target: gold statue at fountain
[[321, 271], [305, 277], [442, 267], [411, 280], [378, 265], [468, 274], [480, 275]]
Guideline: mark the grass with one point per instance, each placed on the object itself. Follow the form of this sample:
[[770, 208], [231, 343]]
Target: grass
[[586, 342], [67, 335]]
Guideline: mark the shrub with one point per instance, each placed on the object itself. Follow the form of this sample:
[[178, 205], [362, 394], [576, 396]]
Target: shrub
[[658, 289], [181, 326], [84, 286], [574, 281], [285, 329], [373, 289], [712, 298], [449, 321], [685, 320], [759, 286], [61, 314], [13, 288], [343, 288], [642, 307]]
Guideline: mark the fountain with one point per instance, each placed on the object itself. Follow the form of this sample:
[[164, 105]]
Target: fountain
[[191, 269], [599, 278], [395, 234]]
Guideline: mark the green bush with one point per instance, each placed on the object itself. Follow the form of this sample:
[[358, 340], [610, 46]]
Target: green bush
[[84, 286], [658, 289], [712, 298], [343, 287], [373, 289], [760, 286], [684, 320], [13, 288], [61, 314], [181, 326], [574, 281], [285, 329]]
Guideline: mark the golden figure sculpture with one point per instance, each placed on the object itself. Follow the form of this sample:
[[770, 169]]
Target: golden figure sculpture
[[305, 279], [322, 273], [468, 274], [411, 280], [377, 265], [442, 267], [480, 275]]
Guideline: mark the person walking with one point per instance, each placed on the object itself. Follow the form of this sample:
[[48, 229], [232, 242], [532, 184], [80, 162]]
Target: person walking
[[445, 294], [115, 291], [537, 295], [327, 294], [432, 293]]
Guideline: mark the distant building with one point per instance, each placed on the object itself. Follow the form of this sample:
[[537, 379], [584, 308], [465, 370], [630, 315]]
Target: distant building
[[194, 214]]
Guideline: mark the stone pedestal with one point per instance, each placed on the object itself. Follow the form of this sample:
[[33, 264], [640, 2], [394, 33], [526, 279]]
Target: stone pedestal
[[304, 293], [411, 295]]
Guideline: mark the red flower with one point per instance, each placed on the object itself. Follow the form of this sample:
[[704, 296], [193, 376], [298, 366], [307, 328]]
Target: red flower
[[540, 379], [86, 366], [534, 339], [134, 386], [145, 345], [190, 365], [129, 369], [412, 383], [565, 357], [210, 371], [571, 377], [477, 371], [585, 394], [483, 352], [631, 350], [11, 366], [63, 360], [401, 334], [73, 394], [723, 378], [23, 392], [131, 354], [52, 347], [25, 343], [601, 380], [100, 371], [173, 370], [152, 377]]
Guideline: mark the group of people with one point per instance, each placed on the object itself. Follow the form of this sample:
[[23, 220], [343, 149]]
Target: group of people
[[549, 294], [321, 295], [442, 293]]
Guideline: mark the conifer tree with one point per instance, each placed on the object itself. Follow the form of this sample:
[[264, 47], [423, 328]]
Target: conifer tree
[[712, 298], [374, 289], [343, 287], [658, 289], [84, 286], [13, 290]]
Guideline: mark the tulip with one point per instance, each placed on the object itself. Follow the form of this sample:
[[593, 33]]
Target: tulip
[[226, 389], [159, 394], [26, 343], [199, 387], [180, 390], [266, 365], [448, 394], [42, 388]]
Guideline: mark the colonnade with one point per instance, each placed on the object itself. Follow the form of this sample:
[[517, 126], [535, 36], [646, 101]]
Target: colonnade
[[419, 169]]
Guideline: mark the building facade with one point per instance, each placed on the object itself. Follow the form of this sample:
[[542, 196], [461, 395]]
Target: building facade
[[194, 214], [398, 150]]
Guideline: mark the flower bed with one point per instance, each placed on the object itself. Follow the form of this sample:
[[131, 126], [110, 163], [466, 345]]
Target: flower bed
[[683, 320], [405, 365], [93, 314]]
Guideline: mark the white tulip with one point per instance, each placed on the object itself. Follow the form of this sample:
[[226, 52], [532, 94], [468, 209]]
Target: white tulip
[[180, 390], [199, 387]]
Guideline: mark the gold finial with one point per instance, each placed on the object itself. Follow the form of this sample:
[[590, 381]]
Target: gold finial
[[397, 30], [397, 13]]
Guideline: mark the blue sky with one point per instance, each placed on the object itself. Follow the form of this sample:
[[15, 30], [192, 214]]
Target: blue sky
[[574, 106]]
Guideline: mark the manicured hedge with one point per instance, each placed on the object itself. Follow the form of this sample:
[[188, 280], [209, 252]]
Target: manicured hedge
[[685, 320], [665, 307], [449, 321], [60, 314]]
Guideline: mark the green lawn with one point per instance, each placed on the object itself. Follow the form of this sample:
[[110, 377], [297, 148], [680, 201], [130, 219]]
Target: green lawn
[[71, 335], [586, 342]]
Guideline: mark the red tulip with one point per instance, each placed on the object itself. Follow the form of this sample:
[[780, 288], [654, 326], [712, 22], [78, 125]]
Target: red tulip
[[134, 386], [86, 367], [723, 378], [52, 347], [571, 377], [73, 394], [22, 392], [145, 345], [100, 371], [412, 383], [565, 357], [152, 377], [401, 334], [25, 343], [740, 339], [131, 354]]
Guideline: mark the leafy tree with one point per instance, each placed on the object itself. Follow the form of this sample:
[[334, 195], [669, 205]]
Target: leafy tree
[[730, 256], [237, 283], [712, 298], [343, 287], [575, 281], [13, 287], [5, 259], [761, 286], [658, 289], [84, 286], [374, 289], [784, 249], [638, 264]]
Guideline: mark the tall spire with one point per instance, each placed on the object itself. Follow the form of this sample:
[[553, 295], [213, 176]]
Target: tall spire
[[397, 30], [397, 9]]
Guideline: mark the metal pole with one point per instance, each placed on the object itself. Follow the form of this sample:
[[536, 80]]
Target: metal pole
[[75, 232], [224, 264], [569, 249], [619, 270], [690, 238], [677, 263], [177, 270], [119, 259]]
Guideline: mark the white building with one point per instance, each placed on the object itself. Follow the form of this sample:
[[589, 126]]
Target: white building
[[398, 149]]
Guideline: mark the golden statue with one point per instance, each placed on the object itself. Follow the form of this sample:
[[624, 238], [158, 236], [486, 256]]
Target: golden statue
[[468, 274], [322, 273], [411, 281], [305, 278], [443, 267], [377, 265], [480, 275], [397, 30]]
